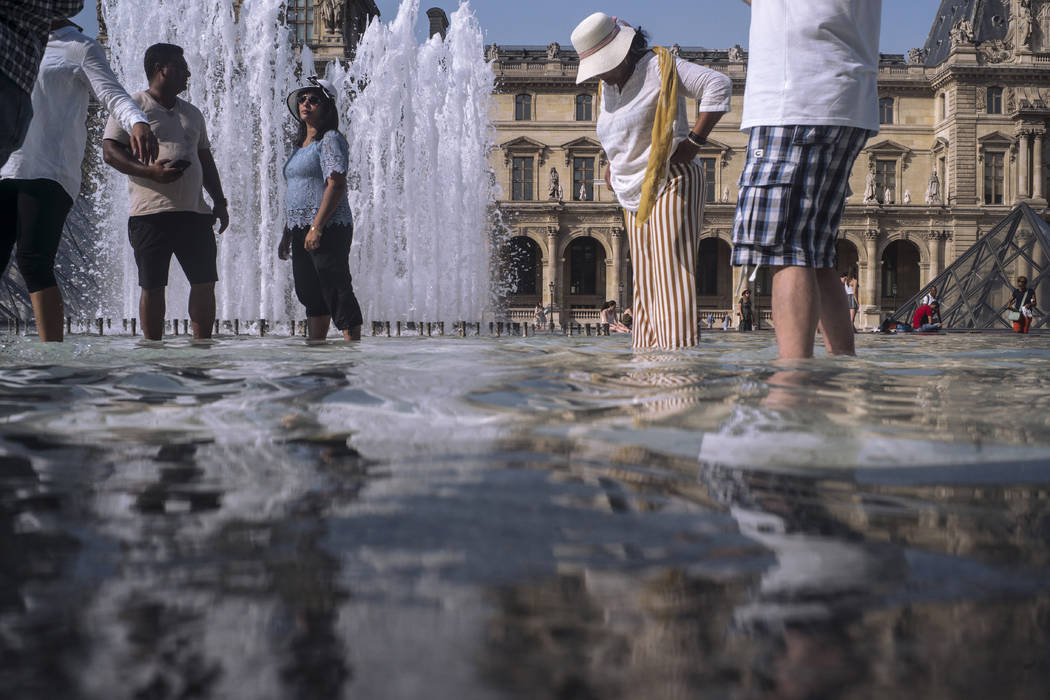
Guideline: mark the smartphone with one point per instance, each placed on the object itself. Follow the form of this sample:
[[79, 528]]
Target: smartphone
[[179, 164]]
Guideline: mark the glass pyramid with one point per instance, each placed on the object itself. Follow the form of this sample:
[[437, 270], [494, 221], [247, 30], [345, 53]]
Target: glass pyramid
[[975, 289]]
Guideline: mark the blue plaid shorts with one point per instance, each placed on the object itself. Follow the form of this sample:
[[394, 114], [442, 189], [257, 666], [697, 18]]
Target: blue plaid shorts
[[792, 192]]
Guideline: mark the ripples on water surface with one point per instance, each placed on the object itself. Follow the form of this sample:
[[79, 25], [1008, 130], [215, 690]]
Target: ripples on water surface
[[524, 518]]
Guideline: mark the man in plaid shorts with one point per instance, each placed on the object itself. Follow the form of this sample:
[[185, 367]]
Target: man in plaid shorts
[[810, 103]]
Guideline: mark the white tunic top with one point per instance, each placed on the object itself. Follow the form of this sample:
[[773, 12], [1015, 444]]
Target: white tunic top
[[73, 67], [814, 62], [625, 120]]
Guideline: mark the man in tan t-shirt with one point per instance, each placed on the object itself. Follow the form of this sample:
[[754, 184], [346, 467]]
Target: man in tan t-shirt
[[168, 212]]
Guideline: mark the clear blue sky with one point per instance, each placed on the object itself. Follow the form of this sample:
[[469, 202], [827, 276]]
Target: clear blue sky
[[709, 23]]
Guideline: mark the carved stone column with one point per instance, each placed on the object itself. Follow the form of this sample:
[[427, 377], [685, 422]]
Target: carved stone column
[[870, 282], [613, 287], [551, 273], [1022, 165], [1037, 166]]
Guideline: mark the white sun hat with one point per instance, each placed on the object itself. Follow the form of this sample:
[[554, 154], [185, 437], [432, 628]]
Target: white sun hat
[[315, 84], [602, 43]]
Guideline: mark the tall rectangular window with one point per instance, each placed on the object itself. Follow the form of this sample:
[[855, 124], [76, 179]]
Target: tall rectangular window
[[709, 179], [583, 179], [885, 179], [886, 110], [301, 17], [993, 178], [583, 108], [523, 108], [994, 102], [521, 179]]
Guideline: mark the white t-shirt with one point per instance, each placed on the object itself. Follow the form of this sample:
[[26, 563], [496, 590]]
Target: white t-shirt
[[813, 62], [181, 133], [73, 67], [625, 119]]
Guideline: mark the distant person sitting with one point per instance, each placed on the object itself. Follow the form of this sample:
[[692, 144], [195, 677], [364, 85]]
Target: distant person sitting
[[608, 316], [1022, 306], [627, 319], [168, 213], [927, 317]]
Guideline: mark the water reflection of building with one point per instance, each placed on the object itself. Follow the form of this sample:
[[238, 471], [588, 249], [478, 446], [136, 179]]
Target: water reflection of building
[[962, 139]]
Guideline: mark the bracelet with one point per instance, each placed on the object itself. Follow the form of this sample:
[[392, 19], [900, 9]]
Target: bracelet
[[695, 140], [320, 231]]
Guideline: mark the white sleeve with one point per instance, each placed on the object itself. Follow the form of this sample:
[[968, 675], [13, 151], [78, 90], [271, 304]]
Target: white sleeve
[[108, 90], [711, 88]]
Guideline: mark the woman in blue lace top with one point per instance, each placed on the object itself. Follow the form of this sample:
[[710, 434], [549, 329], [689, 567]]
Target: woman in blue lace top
[[319, 226]]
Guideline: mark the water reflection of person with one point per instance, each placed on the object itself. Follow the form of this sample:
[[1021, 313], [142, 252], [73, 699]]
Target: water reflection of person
[[319, 226], [657, 180]]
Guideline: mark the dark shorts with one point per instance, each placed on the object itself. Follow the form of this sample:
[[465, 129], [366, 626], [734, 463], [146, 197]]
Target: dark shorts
[[16, 111], [793, 190], [32, 214], [186, 234]]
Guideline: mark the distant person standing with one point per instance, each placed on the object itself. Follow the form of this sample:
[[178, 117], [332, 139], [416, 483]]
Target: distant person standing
[[930, 296], [810, 103], [1022, 306], [42, 178], [168, 213], [850, 285], [747, 312], [652, 140], [319, 226], [539, 315], [24, 28]]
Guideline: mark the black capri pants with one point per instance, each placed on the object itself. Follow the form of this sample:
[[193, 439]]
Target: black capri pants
[[322, 277], [32, 213]]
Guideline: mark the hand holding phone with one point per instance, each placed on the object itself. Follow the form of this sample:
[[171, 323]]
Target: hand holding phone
[[180, 164]]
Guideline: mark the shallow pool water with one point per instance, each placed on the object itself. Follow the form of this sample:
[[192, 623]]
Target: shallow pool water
[[546, 517]]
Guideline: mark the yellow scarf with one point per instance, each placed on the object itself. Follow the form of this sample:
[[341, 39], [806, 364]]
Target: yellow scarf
[[662, 136]]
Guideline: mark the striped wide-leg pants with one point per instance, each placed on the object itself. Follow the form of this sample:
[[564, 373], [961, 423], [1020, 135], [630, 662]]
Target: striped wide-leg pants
[[663, 253]]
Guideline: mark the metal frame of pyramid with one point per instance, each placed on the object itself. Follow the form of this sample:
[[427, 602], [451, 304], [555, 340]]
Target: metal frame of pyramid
[[973, 291]]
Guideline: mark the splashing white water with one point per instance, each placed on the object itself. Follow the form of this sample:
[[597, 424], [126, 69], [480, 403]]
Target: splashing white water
[[417, 119]]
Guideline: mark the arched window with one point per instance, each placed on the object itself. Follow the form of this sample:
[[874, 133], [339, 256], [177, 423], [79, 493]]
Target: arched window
[[995, 100], [886, 110], [524, 265], [900, 273], [523, 108], [585, 254], [583, 108]]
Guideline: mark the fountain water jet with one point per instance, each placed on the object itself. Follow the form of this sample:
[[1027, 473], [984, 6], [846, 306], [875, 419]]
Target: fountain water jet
[[416, 117]]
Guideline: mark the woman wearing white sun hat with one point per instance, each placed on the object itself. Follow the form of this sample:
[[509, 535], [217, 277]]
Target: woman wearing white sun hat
[[644, 128]]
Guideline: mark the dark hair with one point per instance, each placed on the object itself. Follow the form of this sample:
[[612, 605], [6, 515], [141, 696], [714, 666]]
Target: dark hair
[[639, 46], [329, 123], [159, 55]]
